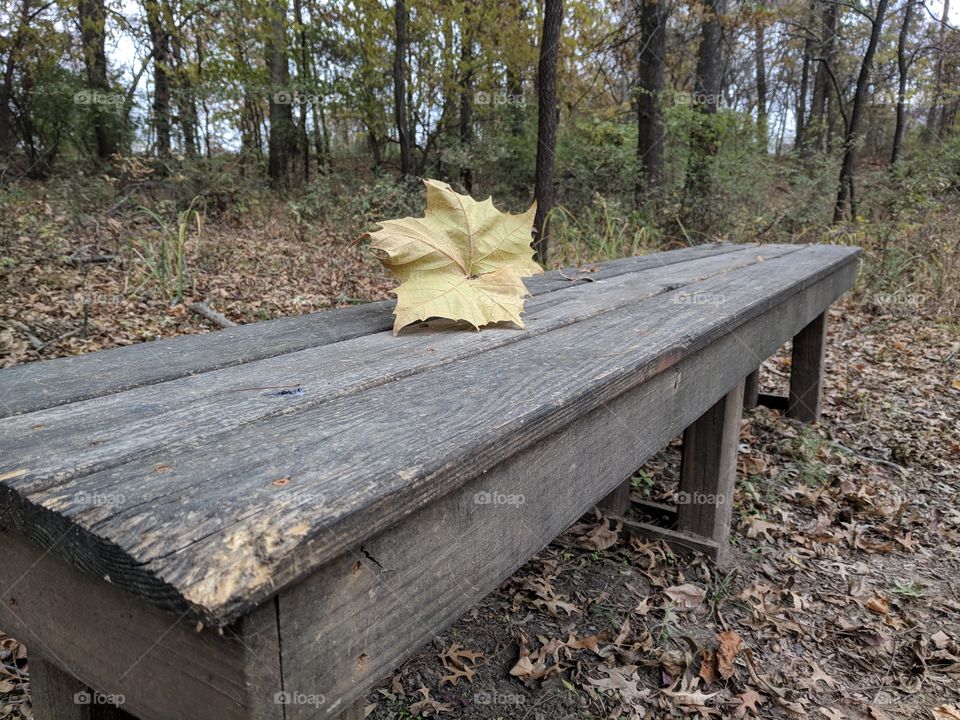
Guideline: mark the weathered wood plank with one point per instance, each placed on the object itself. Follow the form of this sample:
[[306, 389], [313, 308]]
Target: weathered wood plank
[[55, 382], [806, 371], [682, 543], [708, 471], [268, 503], [359, 616], [111, 641], [83, 437], [53, 692]]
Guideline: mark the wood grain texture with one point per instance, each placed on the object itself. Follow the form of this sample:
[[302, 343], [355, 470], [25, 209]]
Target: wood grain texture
[[55, 382], [83, 437], [53, 692], [215, 529], [117, 644], [57, 695], [708, 471], [363, 613], [806, 371]]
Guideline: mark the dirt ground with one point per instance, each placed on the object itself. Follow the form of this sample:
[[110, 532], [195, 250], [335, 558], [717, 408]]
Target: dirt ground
[[843, 600]]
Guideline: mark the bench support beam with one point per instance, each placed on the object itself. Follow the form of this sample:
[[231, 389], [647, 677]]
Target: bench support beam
[[751, 389], [708, 471], [56, 695], [806, 371], [617, 502]]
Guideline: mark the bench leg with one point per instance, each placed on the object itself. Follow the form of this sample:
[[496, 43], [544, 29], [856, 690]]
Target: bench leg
[[751, 390], [708, 470], [618, 501], [56, 695], [806, 371]]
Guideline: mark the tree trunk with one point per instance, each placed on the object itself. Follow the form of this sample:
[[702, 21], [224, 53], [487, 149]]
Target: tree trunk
[[281, 99], [933, 114], [703, 142], [801, 111], [760, 52], [845, 191], [650, 96], [92, 14], [466, 92], [903, 66], [709, 60], [303, 72], [817, 124], [160, 39], [548, 111], [399, 86]]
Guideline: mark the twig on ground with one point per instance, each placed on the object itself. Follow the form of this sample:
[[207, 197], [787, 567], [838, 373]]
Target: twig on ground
[[36, 342], [213, 316]]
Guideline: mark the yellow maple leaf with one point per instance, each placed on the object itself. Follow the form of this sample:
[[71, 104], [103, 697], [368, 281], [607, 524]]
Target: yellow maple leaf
[[463, 260]]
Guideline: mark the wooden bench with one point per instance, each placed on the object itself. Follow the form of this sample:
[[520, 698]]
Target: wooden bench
[[190, 535]]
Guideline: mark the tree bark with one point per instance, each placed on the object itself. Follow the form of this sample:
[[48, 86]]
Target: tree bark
[[845, 191], [933, 114], [818, 124], [548, 111], [92, 15], [160, 40], [466, 95], [801, 110], [303, 72], [399, 86], [760, 60], [703, 142], [650, 96], [903, 67], [281, 99]]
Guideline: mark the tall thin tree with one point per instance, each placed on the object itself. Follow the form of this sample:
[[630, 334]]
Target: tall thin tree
[[903, 68], [93, 34], [399, 86], [652, 54], [845, 191], [281, 99], [547, 119]]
